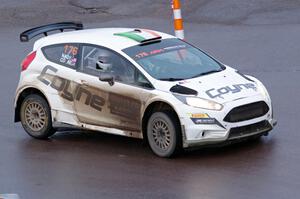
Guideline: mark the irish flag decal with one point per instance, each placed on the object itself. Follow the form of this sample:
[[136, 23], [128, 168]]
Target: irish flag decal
[[140, 35]]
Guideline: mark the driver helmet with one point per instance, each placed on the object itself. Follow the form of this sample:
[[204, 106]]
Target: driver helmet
[[103, 60]]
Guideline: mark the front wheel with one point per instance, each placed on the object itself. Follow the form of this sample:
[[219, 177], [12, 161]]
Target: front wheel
[[163, 132], [36, 117]]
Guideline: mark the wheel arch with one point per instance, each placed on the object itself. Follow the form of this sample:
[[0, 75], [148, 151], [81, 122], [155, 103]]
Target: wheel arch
[[154, 107], [22, 95]]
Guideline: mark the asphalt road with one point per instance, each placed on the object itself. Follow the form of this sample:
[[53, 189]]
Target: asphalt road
[[89, 165]]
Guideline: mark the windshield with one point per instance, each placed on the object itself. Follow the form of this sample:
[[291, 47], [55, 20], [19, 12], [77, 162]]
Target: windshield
[[173, 59]]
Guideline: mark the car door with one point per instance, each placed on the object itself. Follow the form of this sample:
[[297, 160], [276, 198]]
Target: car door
[[118, 105]]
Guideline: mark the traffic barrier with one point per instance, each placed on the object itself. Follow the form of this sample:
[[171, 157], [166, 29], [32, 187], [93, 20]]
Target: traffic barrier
[[178, 22]]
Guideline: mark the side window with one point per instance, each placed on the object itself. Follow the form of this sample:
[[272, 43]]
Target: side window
[[64, 54], [95, 60]]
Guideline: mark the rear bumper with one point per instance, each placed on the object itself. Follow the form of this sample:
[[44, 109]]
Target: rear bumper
[[233, 135]]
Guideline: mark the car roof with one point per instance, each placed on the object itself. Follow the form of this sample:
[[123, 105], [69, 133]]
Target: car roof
[[100, 36]]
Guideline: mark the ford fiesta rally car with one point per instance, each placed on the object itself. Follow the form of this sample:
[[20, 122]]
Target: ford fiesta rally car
[[138, 83]]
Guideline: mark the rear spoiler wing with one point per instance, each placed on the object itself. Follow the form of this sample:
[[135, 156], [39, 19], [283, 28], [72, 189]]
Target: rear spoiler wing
[[29, 34]]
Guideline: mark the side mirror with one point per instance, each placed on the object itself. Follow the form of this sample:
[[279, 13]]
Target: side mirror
[[107, 77]]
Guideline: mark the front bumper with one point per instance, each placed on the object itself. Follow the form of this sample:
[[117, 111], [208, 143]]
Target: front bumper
[[218, 129], [235, 134]]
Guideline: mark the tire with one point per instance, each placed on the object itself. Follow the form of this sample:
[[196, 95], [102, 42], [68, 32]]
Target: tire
[[35, 117], [164, 135]]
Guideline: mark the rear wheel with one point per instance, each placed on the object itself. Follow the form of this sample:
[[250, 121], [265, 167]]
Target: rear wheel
[[35, 117], [163, 132]]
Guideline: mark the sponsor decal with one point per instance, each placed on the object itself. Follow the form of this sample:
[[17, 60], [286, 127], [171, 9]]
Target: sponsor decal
[[198, 115], [204, 120], [69, 55], [120, 105], [63, 87], [124, 106], [236, 88], [144, 54]]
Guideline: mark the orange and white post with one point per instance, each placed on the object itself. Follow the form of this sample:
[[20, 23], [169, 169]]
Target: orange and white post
[[178, 22]]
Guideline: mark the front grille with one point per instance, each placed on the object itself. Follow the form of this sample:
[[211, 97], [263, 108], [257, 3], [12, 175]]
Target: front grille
[[247, 112], [248, 130]]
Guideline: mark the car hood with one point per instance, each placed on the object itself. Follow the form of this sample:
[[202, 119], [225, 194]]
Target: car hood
[[227, 85]]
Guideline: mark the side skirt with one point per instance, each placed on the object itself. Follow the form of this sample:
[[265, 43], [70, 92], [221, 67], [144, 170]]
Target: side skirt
[[68, 127]]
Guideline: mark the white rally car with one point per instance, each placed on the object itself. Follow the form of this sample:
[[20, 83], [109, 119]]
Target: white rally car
[[138, 83]]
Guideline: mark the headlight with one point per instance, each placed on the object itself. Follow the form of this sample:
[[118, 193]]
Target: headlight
[[203, 103]]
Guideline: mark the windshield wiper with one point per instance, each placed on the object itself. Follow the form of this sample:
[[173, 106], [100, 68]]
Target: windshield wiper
[[206, 73], [171, 79]]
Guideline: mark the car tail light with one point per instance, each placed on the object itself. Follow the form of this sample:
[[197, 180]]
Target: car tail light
[[27, 61]]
